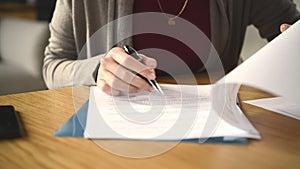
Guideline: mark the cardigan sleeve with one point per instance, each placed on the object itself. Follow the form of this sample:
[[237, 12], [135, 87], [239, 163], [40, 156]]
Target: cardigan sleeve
[[268, 15], [62, 66]]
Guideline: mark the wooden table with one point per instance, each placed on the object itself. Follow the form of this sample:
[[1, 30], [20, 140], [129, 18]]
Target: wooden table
[[44, 112]]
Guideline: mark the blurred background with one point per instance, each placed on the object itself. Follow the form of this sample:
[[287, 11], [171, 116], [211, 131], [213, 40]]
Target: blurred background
[[24, 34], [28, 9]]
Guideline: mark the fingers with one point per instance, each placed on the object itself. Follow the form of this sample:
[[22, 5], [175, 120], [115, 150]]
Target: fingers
[[150, 62], [284, 27], [130, 63], [103, 86], [115, 83], [123, 80], [115, 75]]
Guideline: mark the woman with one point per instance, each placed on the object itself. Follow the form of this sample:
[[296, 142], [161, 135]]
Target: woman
[[224, 22]]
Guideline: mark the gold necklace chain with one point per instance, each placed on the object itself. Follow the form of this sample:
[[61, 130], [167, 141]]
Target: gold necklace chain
[[171, 21]]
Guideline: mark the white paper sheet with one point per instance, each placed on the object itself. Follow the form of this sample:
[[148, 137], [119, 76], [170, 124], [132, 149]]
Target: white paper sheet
[[184, 112], [278, 105], [275, 68]]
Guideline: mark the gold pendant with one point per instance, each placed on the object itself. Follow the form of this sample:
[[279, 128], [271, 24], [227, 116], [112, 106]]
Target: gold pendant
[[171, 22]]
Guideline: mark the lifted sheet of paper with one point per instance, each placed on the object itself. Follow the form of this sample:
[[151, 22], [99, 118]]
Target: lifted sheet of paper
[[183, 112], [275, 68]]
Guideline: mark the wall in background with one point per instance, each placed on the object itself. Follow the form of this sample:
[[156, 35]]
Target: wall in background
[[253, 42]]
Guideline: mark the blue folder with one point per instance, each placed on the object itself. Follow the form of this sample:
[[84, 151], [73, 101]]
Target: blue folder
[[75, 126]]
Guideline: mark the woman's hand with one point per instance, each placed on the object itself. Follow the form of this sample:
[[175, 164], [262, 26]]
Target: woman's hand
[[115, 74], [284, 27]]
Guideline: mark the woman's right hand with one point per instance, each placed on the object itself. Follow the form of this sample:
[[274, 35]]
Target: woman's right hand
[[115, 74]]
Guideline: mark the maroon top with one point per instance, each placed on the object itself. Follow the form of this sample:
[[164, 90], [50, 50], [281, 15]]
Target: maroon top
[[196, 11]]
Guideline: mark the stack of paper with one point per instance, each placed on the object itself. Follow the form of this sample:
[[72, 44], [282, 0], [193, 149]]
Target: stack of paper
[[183, 112]]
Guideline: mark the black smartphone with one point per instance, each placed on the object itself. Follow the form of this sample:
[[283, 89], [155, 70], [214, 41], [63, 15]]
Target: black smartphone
[[10, 123]]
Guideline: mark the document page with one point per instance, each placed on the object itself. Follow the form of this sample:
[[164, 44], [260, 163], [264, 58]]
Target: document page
[[275, 68], [183, 112], [279, 105]]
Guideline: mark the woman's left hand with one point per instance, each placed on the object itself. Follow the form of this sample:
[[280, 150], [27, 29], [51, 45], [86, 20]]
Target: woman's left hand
[[284, 27]]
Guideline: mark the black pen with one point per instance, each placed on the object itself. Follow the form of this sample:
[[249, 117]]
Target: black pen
[[130, 51]]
